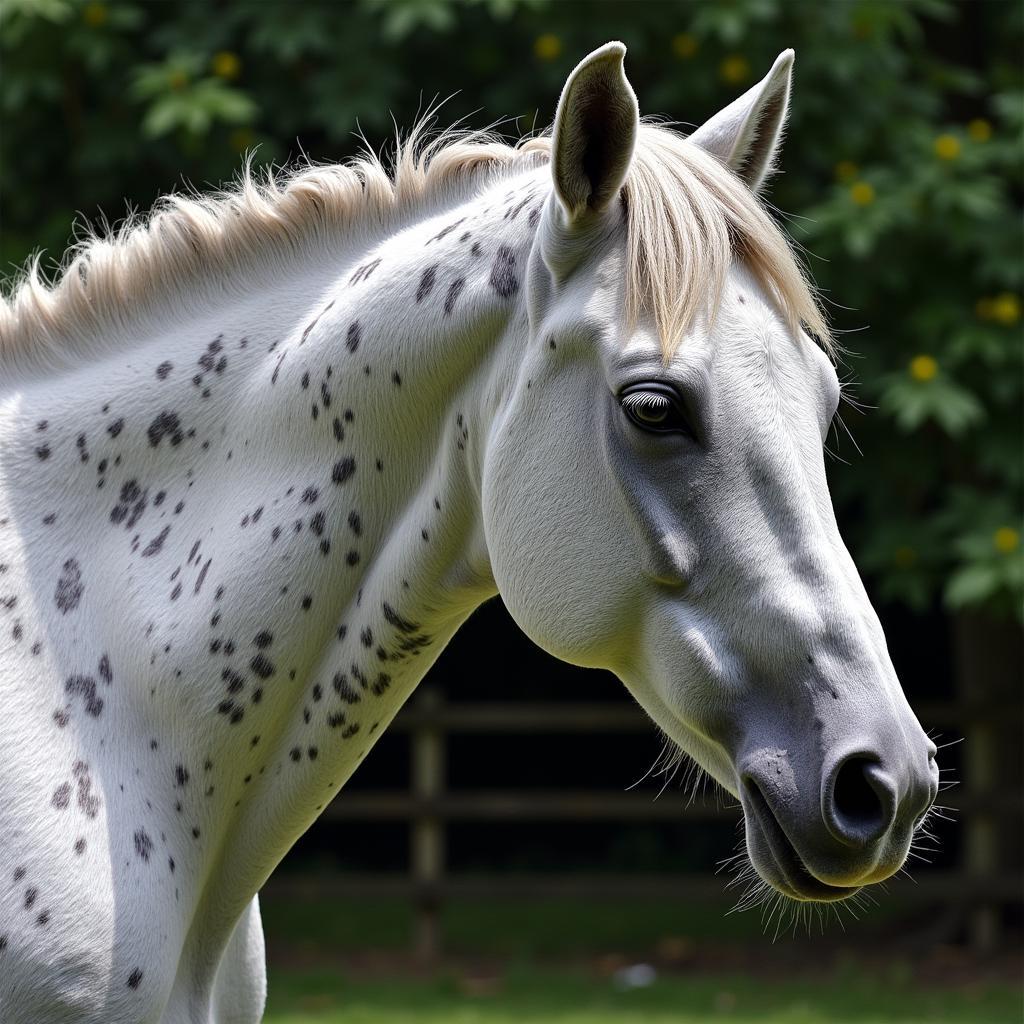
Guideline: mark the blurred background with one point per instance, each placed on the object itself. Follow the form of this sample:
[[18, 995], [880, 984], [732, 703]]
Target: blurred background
[[507, 852]]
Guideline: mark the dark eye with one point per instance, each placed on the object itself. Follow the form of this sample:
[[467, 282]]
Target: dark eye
[[655, 408]]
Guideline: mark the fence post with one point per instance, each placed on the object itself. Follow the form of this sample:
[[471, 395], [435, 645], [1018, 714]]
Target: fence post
[[977, 657], [427, 853]]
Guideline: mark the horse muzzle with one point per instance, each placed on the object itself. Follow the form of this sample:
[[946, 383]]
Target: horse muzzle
[[824, 834]]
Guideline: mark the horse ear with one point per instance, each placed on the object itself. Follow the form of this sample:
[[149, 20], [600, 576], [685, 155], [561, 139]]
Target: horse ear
[[747, 134], [595, 132]]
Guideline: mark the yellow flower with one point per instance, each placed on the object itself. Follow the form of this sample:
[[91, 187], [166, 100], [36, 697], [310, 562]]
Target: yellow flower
[[979, 130], [846, 170], [947, 147], [684, 45], [94, 14], [904, 556], [923, 368], [734, 69], [226, 64], [1006, 308], [1006, 539], [862, 193], [547, 46]]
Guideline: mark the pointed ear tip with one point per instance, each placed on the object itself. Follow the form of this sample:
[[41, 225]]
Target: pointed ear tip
[[613, 49], [785, 59]]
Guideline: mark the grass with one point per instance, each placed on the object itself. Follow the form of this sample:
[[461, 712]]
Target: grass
[[533, 928], [535, 996], [553, 962]]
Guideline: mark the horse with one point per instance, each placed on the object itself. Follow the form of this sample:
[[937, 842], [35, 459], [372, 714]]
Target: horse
[[264, 451]]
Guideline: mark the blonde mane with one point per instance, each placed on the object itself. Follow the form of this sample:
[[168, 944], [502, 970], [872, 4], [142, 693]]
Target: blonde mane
[[688, 217]]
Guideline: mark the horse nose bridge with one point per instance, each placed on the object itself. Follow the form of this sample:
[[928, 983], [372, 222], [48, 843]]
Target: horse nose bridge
[[795, 569]]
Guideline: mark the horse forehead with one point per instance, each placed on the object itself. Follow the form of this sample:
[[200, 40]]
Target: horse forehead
[[755, 350]]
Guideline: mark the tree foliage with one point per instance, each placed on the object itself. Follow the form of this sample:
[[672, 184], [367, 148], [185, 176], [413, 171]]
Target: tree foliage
[[902, 174]]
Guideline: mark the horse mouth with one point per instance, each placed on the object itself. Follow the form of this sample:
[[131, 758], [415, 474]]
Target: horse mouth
[[775, 857]]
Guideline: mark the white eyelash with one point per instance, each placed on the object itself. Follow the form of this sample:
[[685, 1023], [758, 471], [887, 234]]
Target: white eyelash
[[645, 399]]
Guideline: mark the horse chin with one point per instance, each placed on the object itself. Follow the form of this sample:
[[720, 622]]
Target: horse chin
[[777, 861]]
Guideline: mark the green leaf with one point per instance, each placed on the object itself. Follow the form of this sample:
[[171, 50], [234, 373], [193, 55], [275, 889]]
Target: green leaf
[[971, 585]]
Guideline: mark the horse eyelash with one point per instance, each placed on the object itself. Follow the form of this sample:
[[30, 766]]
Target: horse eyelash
[[640, 399]]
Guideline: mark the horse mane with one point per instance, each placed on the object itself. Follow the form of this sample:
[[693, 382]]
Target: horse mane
[[687, 216]]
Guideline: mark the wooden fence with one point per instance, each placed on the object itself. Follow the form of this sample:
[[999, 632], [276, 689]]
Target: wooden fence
[[977, 888]]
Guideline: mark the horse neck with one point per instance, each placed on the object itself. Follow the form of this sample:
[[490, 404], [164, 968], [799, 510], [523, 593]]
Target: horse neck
[[384, 391], [400, 366]]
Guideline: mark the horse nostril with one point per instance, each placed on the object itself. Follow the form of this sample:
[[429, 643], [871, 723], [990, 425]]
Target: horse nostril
[[861, 803]]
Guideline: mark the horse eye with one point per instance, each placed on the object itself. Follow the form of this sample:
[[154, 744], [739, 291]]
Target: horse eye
[[655, 408]]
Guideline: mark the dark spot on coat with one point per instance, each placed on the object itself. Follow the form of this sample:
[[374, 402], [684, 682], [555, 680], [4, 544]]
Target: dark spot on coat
[[444, 232], [403, 625], [200, 579], [154, 546], [163, 369], [426, 284], [130, 505], [61, 796], [503, 272], [234, 680], [115, 428], [70, 588], [42, 452], [344, 689], [166, 424], [84, 687], [454, 291], [262, 666], [363, 272], [143, 844], [354, 336], [343, 470], [135, 978]]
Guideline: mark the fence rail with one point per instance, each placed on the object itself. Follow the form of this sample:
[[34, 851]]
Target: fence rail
[[978, 885]]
